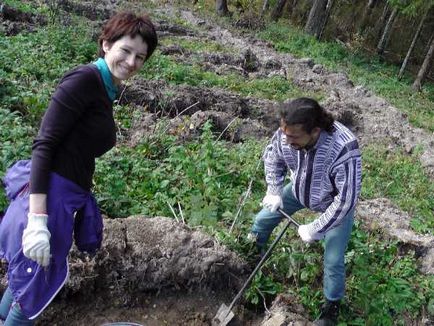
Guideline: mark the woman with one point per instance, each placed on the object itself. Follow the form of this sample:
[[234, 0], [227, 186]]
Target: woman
[[78, 126]]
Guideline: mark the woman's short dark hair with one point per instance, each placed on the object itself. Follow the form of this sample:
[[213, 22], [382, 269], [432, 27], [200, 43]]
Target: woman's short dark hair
[[307, 112], [127, 23]]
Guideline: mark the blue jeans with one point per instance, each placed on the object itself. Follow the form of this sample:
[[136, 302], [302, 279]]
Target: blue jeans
[[335, 242], [11, 313]]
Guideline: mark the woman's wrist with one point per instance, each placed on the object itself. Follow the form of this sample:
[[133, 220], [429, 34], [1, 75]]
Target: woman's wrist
[[38, 203]]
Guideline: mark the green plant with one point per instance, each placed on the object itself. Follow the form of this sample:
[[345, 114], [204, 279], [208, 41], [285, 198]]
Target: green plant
[[261, 288], [400, 177], [383, 285], [202, 177], [15, 137]]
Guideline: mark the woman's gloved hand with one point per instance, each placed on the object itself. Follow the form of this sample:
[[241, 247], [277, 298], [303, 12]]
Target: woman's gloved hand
[[36, 239]]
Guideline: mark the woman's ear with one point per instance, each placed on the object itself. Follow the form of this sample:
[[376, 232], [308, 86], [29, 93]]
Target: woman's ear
[[106, 45]]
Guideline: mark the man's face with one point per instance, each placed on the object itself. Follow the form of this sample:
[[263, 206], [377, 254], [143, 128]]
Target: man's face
[[298, 138]]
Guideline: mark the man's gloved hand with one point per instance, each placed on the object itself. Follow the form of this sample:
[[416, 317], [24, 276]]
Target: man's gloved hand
[[36, 239], [304, 233], [272, 202]]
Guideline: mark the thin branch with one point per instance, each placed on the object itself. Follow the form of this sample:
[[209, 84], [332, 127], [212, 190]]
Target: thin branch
[[180, 212], [243, 202], [264, 301], [173, 212], [168, 124], [226, 128]]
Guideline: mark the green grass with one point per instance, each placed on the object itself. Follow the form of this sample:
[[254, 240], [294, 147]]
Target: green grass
[[205, 177], [275, 88], [24, 6], [15, 139], [194, 45], [363, 70], [28, 74], [400, 177]]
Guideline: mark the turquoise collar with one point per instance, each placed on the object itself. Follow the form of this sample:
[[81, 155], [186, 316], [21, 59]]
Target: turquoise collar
[[106, 75]]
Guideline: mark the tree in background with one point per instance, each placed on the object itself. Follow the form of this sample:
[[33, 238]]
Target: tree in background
[[366, 14], [265, 6], [278, 9], [386, 32], [222, 7], [427, 63], [318, 16], [412, 45]]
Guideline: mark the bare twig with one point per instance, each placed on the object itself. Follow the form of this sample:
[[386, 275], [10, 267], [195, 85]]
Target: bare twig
[[168, 124], [173, 212], [246, 195], [122, 94], [180, 212], [221, 134], [264, 301]]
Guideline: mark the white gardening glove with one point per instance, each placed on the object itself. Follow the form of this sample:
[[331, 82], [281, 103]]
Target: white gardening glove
[[36, 239], [272, 202], [304, 233], [307, 235]]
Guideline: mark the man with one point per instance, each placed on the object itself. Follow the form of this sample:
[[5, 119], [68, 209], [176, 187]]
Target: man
[[324, 161]]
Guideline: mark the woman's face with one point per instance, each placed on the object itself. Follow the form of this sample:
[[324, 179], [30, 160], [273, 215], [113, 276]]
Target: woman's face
[[125, 57]]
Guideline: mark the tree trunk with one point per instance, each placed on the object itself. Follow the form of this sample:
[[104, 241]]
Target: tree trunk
[[386, 33], [366, 14], [427, 62], [316, 18], [278, 9], [412, 45], [326, 18], [291, 7], [265, 6], [379, 26], [222, 7]]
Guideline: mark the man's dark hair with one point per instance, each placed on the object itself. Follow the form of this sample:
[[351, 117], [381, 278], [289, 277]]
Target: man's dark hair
[[128, 23], [307, 112]]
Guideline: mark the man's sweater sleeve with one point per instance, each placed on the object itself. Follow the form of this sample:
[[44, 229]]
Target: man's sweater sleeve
[[346, 177], [275, 167]]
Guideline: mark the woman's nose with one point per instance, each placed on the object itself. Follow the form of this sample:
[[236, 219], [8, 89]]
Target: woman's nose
[[131, 60]]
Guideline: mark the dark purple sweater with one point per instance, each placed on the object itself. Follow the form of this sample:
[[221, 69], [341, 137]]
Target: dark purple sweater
[[77, 127]]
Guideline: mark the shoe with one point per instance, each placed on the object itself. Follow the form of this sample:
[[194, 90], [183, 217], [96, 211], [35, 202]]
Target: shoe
[[329, 314], [256, 251], [252, 237]]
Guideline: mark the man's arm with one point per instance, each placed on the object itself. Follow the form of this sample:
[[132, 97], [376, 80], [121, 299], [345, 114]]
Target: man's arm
[[275, 167], [347, 180]]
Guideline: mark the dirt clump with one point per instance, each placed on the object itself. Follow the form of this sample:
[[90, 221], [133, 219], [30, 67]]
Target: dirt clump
[[188, 108], [381, 214], [14, 21], [147, 265]]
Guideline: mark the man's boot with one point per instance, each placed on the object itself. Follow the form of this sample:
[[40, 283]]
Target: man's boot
[[329, 314], [258, 251]]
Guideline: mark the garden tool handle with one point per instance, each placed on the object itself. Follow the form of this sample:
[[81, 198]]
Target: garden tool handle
[[265, 257], [288, 217]]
